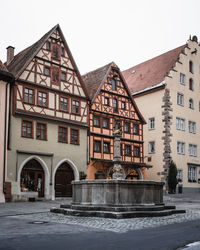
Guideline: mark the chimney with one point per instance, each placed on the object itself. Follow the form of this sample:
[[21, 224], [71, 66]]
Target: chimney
[[10, 54]]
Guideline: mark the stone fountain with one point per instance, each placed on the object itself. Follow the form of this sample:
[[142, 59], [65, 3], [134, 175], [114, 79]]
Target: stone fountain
[[117, 198]]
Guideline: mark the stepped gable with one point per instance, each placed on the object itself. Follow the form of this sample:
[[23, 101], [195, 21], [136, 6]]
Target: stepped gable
[[151, 72]]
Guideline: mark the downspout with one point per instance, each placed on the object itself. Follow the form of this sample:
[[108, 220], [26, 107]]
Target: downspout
[[5, 133]]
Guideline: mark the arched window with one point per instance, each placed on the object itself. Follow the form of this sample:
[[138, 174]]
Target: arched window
[[191, 103], [191, 84], [191, 67]]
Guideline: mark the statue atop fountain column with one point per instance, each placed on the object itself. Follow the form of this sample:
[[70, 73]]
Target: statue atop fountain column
[[118, 172]]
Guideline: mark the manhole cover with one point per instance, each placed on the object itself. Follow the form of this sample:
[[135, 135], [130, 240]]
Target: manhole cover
[[38, 222]]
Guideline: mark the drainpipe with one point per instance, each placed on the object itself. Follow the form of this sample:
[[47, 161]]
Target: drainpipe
[[5, 133]]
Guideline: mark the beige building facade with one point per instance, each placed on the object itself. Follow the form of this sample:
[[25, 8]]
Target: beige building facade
[[6, 80], [49, 122], [166, 90]]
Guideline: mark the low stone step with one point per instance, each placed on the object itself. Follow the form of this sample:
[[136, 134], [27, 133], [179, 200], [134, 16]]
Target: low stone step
[[114, 208], [116, 215]]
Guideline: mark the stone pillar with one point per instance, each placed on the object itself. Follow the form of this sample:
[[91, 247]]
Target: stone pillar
[[118, 172]]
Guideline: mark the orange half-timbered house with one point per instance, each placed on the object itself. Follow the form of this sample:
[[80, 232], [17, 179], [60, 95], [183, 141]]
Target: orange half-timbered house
[[111, 101], [49, 122]]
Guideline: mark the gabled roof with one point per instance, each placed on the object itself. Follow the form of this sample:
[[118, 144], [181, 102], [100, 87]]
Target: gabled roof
[[151, 72], [96, 78], [23, 58]]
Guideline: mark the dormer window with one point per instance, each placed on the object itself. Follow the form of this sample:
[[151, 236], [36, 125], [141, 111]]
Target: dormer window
[[191, 67]]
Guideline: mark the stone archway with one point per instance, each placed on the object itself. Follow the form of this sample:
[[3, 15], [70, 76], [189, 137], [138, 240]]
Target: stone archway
[[35, 170], [65, 172]]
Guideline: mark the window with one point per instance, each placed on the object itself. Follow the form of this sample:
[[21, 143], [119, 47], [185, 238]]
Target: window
[[42, 99], [123, 105], [41, 131], [55, 75], [62, 51], [127, 150], [180, 148], [115, 106], [136, 129], [63, 76], [48, 45], [114, 85], [55, 51], [106, 101], [191, 67], [151, 123], [109, 80], [106, 147], [192, 127], [74, 136], [105, 123], [96, 121], [75, 107], [191, 103], [180, 124], [192, 173], [27, 129], [29, 95], [46, 71], [63, 104], [180, 99], [180, 175], [191, 84], [126, 127], [182, 78], [136, 151], [97, 146], [62, 134], [192, 150], [151, 147]]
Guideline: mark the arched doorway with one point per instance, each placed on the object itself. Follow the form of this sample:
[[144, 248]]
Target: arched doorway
[[63, 178], [32, 178]]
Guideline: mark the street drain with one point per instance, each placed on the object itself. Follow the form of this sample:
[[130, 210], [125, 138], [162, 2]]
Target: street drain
[[38, 222]]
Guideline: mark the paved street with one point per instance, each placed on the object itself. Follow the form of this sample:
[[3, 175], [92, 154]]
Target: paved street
[[30, 225]]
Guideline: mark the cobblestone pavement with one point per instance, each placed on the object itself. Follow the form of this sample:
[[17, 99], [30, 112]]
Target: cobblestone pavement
[[117, 226]]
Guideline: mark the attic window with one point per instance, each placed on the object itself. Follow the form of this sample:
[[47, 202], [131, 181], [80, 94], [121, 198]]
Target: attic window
[[62, 51], [48, 45], [56, 51]]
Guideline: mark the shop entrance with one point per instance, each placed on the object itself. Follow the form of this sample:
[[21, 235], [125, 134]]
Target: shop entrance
[[63, 178], [32, 178]]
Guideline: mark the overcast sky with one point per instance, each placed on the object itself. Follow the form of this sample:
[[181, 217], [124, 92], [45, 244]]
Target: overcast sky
[[127, 32]]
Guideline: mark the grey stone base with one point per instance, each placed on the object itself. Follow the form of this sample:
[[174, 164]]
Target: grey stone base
[[117, 212]]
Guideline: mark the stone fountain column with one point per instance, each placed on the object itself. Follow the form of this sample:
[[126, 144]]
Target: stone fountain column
[[118, 172]]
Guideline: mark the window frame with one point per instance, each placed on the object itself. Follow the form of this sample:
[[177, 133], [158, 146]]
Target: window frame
[[178, 99], [63, 73], [192, 173], [49, 68], [94, 149], [115, 108], [124, 105], [180, 148], [191, 103], [192, 127], [63, 110], [78, 136], [33, 96], [129, 127], [138, 130], [45, 131], [106, 101], [150, 151], [127, 150], [79, 109], [191, 67], [66, 134], [182, 79], [108, 122], [151, 121], [136, 155], [97, 118], [106, 143], [180, 124], [32, 129], [191, 84], [192, 148], [47, 98]]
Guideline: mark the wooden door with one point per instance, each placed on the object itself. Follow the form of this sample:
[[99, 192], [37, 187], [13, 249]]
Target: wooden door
[[63, 178]]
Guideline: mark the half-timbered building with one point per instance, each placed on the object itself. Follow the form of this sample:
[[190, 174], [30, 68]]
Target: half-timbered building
[[49, 123], [111, 101]]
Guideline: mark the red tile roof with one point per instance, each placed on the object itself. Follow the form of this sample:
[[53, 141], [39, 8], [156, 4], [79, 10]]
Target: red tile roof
[[151, 72]]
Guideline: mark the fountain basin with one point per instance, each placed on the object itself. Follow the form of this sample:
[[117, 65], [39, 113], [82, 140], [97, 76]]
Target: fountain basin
[[117, 193]]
